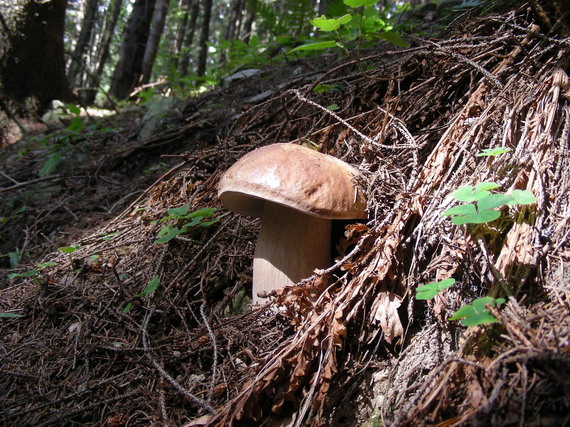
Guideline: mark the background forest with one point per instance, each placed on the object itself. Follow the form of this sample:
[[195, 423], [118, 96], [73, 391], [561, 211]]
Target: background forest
[[115, 49]]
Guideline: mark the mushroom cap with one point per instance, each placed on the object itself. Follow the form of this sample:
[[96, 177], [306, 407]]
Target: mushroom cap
[[293, 176]]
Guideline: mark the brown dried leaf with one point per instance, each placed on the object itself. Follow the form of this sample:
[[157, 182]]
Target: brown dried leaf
[[385, 313]]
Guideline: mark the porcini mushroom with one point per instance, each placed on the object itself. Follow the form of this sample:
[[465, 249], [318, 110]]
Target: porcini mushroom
[[297, 192]]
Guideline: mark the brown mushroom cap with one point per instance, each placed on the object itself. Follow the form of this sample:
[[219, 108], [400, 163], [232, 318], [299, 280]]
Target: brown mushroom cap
[[294, 176]]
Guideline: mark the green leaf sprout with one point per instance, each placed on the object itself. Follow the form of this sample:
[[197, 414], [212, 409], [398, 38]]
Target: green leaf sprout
[[477, 313], [430, 290]]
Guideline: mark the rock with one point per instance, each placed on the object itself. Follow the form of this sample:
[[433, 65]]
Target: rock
[[162, 113]]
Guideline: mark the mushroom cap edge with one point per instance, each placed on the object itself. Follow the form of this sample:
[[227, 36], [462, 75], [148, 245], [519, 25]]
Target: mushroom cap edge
[[296, 177]]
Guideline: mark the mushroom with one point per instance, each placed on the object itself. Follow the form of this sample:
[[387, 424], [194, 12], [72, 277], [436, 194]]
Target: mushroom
[[297, 192]]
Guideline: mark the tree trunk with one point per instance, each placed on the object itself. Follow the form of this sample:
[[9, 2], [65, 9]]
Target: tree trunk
[[322, 8], [77, 60], [248, 24], [129, 67], [185, 57], [234, 19], [203, 57], [32, 65], [176, 51], [103, 51], [232, 25], [156, 29]]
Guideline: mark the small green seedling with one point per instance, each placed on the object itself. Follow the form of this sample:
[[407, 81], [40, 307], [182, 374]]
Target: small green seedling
[[322, 88], [107, 236], [149, 289], [14, 215], [10, 315], [487, 152], [200, 218], [477, 313], [484, 209], [430, 290], [68, 250], [76, 124], [34, 272], [14, 258]]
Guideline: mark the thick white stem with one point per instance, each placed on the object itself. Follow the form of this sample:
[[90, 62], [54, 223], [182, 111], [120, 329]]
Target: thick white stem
[[290, 246]]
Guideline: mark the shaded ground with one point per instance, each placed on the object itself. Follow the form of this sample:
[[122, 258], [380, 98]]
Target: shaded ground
[[93, 344]]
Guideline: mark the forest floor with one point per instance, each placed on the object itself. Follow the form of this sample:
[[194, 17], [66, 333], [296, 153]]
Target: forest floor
[[100, 324]]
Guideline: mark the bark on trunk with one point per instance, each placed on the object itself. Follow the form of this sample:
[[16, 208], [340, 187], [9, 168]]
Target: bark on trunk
[[129, 67], [32, 65], [203, 57], [185, 57], [103, 51], [183, 5], [156, 30], [248, 24], [78, 61]]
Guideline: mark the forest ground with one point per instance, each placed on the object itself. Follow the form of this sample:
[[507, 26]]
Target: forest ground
[[117, 329]]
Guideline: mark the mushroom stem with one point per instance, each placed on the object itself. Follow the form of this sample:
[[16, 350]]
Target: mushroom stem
[[290, 246]]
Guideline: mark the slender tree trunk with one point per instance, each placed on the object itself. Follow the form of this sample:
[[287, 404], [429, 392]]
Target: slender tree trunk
[[184, 60], [248, 24], [156, 30], [77, 60], [180, 32], [205, 34], [32, 64], [129, 67], [103, 51], [323, 7], [233, 25], [234, 18]]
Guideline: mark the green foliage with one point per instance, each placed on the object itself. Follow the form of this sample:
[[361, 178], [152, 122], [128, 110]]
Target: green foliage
[[149, 289], [240, 304], [17, 213], [315, 46], [14, 258], [200, 218], [360, 3], [484, 209], [493, 151], [477, 313], [322, 88], [69, 249], [34, 272], [155, 168], [393, 37], [333, 24], [430, 290], [51, 164], [145, 95], [368, 25], [473, 314], [10, 315], [277, 20], [63, 141], [108, 236], [480, 208], [240, 54]]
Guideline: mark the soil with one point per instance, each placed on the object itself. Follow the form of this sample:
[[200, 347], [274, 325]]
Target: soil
[[115, 328]]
